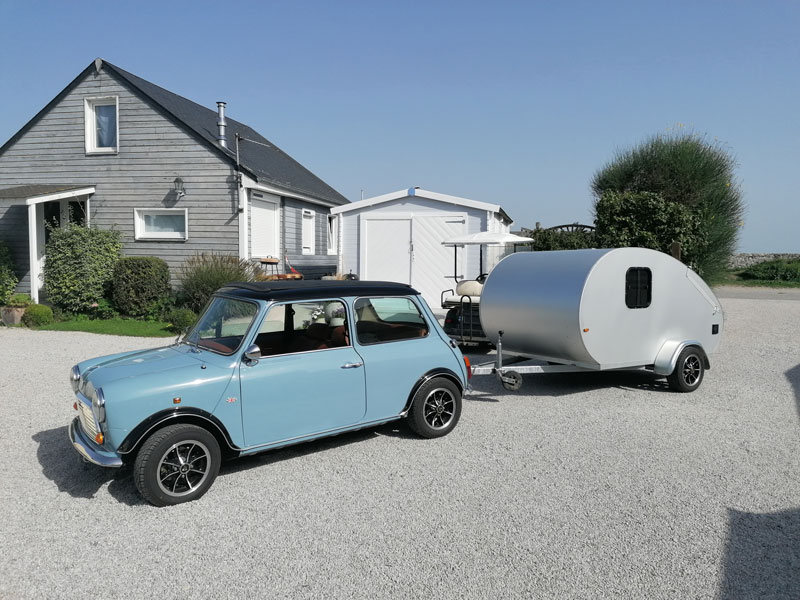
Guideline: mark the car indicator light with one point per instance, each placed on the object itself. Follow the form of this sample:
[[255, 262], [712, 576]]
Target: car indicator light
[[99, 438], [176, 400], [469, 367]]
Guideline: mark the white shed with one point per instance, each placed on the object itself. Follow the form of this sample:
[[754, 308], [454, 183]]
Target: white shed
[[398, 237]]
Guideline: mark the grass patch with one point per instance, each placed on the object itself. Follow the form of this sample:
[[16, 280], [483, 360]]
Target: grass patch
[[116, 326], [733, 277]]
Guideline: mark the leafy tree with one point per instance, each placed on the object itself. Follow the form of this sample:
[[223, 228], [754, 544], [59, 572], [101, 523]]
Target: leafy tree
[[688, 170], [646, 220]]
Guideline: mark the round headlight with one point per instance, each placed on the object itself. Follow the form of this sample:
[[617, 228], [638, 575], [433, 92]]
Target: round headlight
[[99, 405], [75, 378]]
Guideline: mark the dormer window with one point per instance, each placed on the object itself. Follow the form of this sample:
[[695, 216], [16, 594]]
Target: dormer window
[[102, 125]]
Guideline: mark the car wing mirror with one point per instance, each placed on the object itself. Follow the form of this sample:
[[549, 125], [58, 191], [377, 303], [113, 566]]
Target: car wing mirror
[[252, 353]]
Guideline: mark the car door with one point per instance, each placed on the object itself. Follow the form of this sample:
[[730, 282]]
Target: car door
[[309, 380], [399, 347]]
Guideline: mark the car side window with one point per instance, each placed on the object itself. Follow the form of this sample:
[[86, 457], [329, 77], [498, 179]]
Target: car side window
[[303, 327], [388, 320]]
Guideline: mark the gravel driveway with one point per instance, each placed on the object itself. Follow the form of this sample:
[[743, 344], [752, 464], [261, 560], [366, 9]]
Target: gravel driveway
[[578, 486]]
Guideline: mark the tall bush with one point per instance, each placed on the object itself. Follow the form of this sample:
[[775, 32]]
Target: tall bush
[[8, 277], [646, 220], [685, 169], [203, 274], [141, 285], [79, 266]]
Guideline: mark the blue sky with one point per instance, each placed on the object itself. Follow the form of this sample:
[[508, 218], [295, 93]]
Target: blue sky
[[516, 103]]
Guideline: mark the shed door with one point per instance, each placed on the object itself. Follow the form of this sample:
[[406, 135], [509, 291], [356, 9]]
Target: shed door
[[433, 265], [263, 225], [387, 250]]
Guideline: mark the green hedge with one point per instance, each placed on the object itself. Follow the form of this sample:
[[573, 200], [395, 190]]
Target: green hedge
[[553, 239], [79, 266], [773, 270], [141, 286], [646, 220]]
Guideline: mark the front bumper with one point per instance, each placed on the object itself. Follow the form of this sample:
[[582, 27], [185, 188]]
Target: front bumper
[[89, 450]]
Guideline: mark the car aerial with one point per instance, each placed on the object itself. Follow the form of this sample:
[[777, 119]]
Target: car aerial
[[267, 364]]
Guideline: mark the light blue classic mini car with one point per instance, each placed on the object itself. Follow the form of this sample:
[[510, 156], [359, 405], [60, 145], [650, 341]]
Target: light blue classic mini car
[[267, 365]]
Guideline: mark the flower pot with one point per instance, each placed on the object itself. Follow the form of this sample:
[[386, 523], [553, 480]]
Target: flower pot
[[12, 315]]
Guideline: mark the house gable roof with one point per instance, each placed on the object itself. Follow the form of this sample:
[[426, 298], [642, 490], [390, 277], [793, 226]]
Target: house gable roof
[[420, 193], [261, 159]]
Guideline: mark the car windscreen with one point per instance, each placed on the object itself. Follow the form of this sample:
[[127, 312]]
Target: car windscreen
[[223, 325]]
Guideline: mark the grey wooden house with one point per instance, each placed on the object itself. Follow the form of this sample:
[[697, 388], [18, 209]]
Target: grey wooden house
[[175, 178]]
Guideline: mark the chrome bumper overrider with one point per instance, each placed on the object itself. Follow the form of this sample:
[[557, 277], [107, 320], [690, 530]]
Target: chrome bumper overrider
[[88, 450]]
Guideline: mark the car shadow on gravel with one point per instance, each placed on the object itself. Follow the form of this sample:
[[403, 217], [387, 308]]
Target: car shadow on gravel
[[762, 554], [393, 429], [64, 467], [488, 388], [793, 375]]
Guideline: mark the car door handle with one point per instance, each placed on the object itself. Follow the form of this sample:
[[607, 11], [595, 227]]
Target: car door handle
[[353, 365]]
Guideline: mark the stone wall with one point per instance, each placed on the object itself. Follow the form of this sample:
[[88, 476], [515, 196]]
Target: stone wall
[[744, 260]]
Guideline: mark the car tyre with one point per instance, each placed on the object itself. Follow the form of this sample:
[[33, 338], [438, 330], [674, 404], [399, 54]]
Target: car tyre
[[176, 464], [688, 372], [435, 409]]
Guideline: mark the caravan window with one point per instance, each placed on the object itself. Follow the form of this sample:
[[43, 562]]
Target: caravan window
[[638, 287]]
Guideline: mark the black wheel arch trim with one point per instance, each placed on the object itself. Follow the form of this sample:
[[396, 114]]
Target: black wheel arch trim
[[438, 372], [177, 415]]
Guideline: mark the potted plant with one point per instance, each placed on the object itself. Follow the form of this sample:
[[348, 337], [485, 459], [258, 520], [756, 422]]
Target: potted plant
[[14, 309]]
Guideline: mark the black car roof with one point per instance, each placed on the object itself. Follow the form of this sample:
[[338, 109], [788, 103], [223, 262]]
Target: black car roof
[[307, 289]]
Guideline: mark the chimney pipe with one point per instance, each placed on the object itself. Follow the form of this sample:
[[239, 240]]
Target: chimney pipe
[[221, 123]]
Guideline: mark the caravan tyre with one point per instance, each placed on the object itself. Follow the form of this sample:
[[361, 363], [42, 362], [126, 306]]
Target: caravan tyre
[[688, 372]]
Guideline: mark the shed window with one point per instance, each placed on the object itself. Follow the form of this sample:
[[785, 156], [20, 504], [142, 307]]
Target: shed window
[[102, 123], [308, 232], [638, 287], [161, 224]]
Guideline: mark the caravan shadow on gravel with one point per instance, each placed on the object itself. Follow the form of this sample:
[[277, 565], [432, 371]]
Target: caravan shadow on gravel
[[62, 465], [486, 388], [762, 555]]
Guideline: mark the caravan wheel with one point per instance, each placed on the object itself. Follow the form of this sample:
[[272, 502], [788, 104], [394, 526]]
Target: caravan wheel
[[689, 370]]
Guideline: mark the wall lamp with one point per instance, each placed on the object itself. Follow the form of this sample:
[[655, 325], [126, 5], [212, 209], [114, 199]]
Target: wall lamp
[[180, 191]]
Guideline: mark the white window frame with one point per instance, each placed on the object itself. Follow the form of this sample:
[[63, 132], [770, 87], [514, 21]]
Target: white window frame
[[308, 231], [90, 123], [141, 234], [333, 234]]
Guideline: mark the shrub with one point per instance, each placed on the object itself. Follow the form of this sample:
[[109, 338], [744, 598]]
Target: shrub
[[773, 270], [19, 301], [37, 315], [8, 283], [688, 170], [102, 310], [645, 220], [141, 285], [181, 319], [8, 278], [203, 274], [553, 239], [79, 266]]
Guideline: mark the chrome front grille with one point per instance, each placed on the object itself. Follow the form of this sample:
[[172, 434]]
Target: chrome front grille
[[87, 419]]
